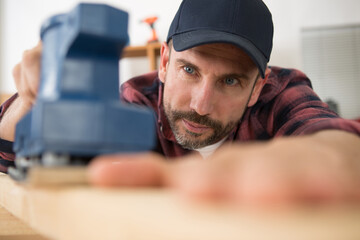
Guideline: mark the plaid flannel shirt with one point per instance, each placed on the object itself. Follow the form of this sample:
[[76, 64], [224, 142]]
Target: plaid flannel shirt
[[287, 106]]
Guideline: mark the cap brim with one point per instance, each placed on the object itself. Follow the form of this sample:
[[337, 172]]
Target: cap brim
[[192, 39]]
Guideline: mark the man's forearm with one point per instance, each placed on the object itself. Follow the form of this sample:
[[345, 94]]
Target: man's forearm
[[345, 145], [323, 167]]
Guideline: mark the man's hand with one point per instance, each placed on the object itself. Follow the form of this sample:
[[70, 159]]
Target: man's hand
[[321, 168], [27, 77]]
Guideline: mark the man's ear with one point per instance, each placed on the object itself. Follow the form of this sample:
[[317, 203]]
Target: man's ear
[[164, 60], [258, 87]]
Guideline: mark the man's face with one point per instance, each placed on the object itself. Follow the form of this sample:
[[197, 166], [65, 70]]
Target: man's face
[[206, 91]]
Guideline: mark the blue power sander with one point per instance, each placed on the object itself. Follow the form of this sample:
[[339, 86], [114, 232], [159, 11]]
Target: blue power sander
[[78, 114]]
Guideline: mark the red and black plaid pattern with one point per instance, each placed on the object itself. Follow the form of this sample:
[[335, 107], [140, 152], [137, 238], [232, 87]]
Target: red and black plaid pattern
[[287, 106]]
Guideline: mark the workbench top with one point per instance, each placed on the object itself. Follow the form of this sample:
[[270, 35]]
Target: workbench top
[[84, 212]]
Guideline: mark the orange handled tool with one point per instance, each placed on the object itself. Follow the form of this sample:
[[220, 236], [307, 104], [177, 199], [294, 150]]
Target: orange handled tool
[[151, 21]]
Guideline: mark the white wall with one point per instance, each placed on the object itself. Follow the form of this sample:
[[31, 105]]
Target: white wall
[[290, 16], [21, 19]]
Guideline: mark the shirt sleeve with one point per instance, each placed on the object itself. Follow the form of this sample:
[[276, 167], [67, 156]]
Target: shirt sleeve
[[6, 161], [299, 111], [7, 156]]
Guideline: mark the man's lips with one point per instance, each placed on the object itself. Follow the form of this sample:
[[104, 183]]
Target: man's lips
[[195, 127]]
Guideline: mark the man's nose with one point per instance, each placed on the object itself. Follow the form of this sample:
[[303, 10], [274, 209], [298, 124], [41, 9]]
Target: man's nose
[[202, 98]]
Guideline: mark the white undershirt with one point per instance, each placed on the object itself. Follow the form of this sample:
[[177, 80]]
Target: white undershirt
[[206, 152]]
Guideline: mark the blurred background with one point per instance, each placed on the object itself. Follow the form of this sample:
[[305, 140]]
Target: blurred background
[[319, 37]]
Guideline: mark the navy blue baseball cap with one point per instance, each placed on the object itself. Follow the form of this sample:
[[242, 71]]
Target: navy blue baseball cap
[[246, 24]]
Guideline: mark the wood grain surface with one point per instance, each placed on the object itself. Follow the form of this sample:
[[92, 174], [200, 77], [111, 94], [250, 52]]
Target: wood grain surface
[[84, 212]]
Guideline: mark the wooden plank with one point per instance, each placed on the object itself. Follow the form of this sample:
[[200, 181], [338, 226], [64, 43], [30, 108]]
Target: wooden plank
[[11, 228], [140, 51], [134, 51], [83, 212], [151, 51], [152, 54], [56, 176]]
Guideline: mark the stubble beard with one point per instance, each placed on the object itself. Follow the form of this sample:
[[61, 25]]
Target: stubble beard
[[191, 140]]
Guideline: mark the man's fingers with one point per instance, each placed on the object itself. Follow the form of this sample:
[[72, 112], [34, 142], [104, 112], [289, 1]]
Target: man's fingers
[[272, 180], [17, 75], [247, 177], [31, 63], [192, 178], [260, 177], [127, 170], [27, 74], [257, 184], [30, 73]]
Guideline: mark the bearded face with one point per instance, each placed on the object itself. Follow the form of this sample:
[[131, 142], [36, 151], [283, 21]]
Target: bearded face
[[206, 91]]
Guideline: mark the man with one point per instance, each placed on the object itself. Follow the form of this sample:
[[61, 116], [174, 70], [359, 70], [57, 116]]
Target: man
[[214, 88]]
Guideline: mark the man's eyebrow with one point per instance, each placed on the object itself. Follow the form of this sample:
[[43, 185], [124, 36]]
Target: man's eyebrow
[[241, 76], [182, 61]]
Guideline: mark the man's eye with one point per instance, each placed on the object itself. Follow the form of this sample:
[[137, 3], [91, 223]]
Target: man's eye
[[189, 70], [230, 81]]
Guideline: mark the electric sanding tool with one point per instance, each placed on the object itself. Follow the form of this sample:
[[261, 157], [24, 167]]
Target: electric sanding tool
[[78, 114]]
